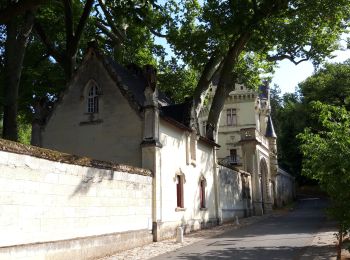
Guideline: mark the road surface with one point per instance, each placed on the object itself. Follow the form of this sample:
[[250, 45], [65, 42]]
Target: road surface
[[285, 236]]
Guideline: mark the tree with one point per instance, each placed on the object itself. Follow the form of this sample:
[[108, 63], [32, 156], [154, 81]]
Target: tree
[[297, 30], [176, 81], [125, 29], [18, 31], [17, 34], [326, 159], [17, 8], [330, 85], [64, 48], [292, 118]]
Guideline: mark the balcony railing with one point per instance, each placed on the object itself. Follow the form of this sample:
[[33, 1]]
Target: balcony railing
[[251, 134], [231, 161]]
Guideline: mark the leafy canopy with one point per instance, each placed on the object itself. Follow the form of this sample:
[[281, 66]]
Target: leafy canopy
[[326, 157]]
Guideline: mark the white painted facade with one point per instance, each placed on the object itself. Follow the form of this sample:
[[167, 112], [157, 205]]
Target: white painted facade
[[174, 159]]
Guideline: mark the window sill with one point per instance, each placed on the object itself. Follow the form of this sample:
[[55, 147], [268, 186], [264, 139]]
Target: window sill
[[203, 209], [193, 163], [91, 122], [180, 209]]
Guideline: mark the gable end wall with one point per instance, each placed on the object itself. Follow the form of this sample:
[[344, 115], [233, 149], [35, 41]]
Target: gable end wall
[[116, 126]]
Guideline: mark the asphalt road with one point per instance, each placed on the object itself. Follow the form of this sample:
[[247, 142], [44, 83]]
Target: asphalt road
[[285, 236]]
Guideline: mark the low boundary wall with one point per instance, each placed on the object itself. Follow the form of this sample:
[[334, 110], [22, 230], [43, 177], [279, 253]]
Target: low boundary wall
[[285, 188], [60, 206], [235, 193]]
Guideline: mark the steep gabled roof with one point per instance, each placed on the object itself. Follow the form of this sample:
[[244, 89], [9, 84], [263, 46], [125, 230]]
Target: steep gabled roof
[[132, 82], [270, 130], [178, 112]]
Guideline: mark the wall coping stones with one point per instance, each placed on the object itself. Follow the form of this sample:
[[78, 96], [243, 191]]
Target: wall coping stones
[[18, 148], [234, 169]]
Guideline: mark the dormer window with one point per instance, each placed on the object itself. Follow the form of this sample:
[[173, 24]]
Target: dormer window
[[92, 100]]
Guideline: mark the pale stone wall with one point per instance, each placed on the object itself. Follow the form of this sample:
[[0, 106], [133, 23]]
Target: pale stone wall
[[65, 211], [235, 193], [105, 136], [285, 188], [173, 161], [229, 136]]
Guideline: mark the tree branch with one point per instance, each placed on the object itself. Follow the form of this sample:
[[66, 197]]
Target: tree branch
[[82, 23], [201, 90], [110, 34], [18, 8], [68, 20], [143, 21], [110, 22], [286, 56], [52, 51], [158, 34], [255, 6]]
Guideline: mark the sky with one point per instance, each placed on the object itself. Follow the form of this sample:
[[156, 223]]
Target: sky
[[288, 75]]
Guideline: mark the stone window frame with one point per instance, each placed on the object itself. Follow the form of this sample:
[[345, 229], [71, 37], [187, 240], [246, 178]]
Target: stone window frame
[[234, 155], [202, 192], [93, 94], [231, 117], [191, 148], [180, 180], [204, 127]]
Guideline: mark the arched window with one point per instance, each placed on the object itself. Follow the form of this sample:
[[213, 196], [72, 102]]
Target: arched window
[[179, 191], [92, 100], [202, 193]]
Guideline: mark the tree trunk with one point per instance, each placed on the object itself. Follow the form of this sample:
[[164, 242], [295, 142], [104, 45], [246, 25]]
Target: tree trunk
[[16, 42], [203, 85], [340, 242], [69, 66], [226, 84]]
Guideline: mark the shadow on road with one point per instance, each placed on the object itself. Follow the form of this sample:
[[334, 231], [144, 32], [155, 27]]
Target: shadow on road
[[278, 253], [283, 236]]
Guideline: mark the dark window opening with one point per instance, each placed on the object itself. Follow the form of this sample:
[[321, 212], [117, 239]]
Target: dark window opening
[[179, 192], [92, 102], [202, 193]]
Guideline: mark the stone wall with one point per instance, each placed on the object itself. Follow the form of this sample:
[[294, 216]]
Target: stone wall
[[235, 193], [59, 206], [285, 188]]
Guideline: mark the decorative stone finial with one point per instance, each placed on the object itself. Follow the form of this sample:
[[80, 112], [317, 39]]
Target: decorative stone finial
[[150, 73]]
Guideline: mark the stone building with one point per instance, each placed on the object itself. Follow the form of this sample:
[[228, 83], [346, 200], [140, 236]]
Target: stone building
[[113, 113], [126, 168], [247, 141], [116, 114]]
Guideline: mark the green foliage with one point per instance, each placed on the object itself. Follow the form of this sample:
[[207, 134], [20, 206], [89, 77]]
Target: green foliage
[[292, 113], [295, 29], [126, 33], [326, 158], [290, 118], [330, 85], [24, 131], [176, 81]]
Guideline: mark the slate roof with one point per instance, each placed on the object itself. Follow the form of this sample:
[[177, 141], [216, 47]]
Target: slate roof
[[270, 130], [178, 112], [133, 82], [263, 92]]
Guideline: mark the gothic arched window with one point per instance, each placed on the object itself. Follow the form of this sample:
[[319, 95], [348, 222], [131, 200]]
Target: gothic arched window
[[92, 100], [202, 194], [179, 191]]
